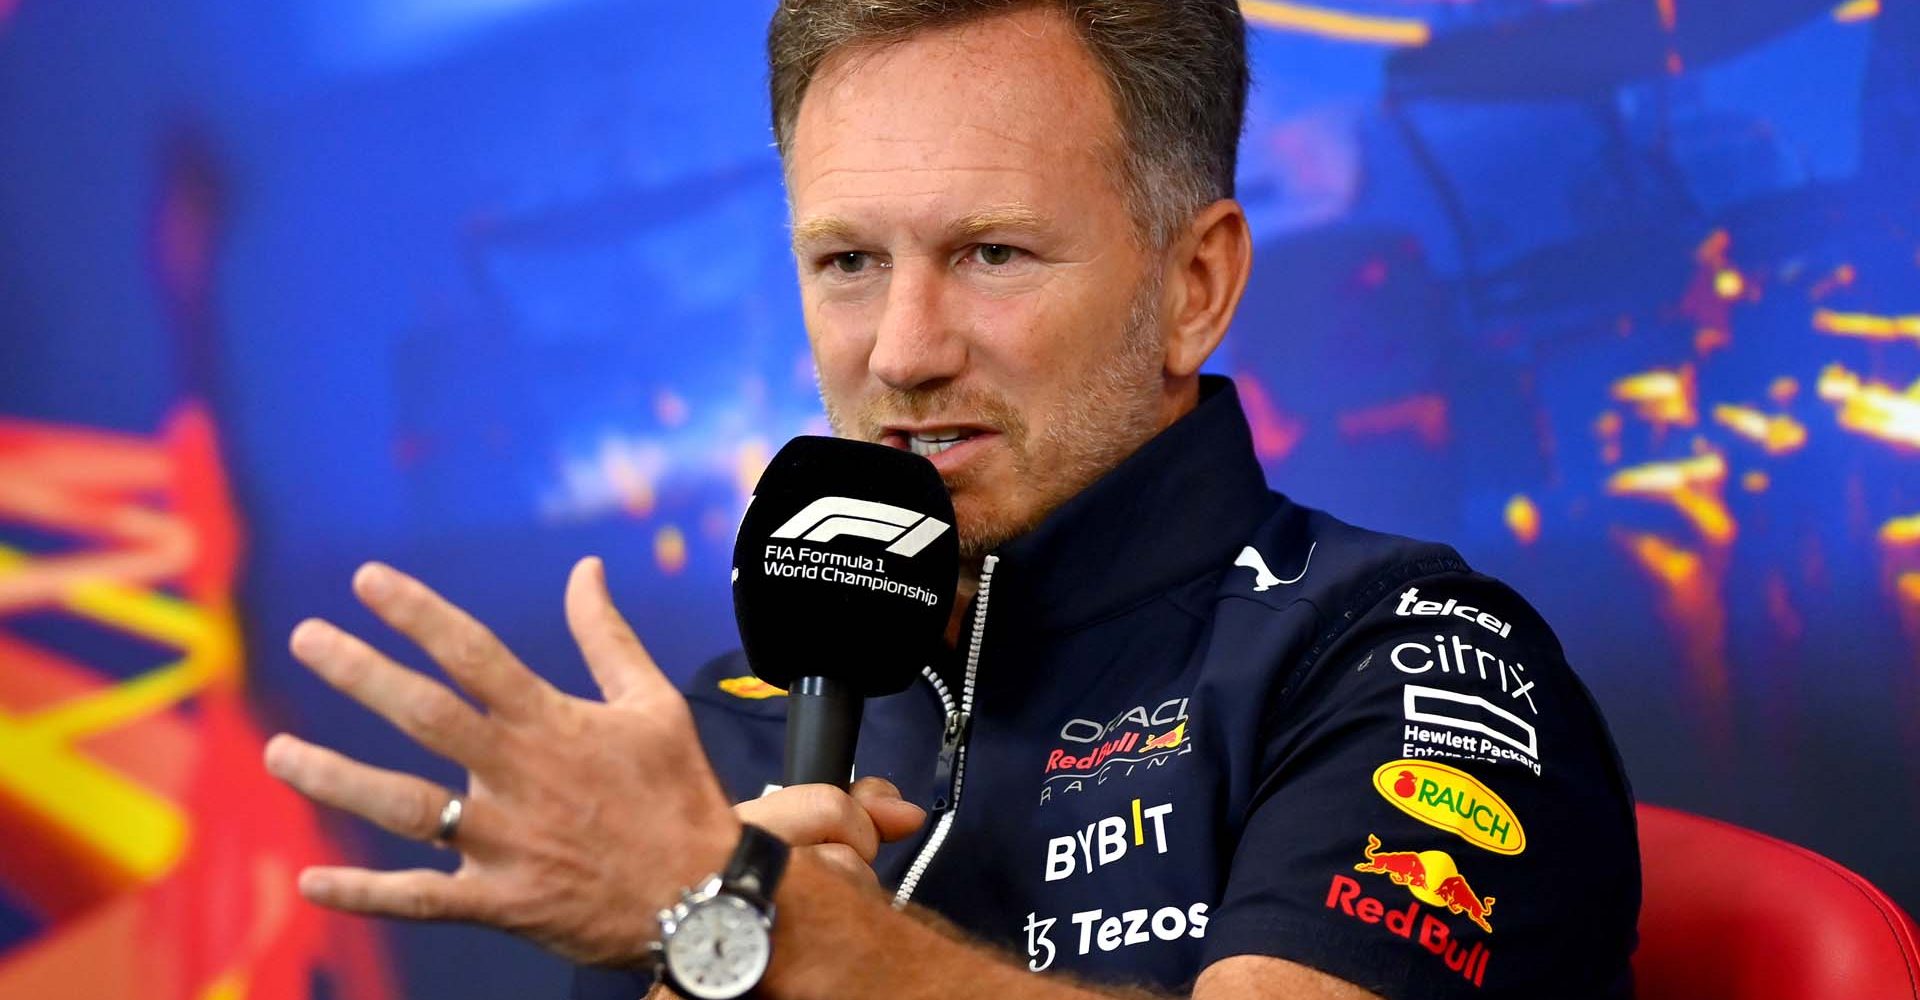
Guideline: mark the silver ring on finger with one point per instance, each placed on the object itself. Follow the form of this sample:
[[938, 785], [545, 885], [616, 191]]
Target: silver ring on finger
[[449, 821]]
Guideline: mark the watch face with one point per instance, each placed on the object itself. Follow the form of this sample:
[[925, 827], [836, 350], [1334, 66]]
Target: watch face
[[720, 950]]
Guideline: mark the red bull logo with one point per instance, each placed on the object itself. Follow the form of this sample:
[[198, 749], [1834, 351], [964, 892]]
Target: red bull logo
[[1409, 922], [1167, 740], [1123, 746], [750, 687], [1432, 878]]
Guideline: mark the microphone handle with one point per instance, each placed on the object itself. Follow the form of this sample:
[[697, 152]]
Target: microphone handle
[[823, 721]]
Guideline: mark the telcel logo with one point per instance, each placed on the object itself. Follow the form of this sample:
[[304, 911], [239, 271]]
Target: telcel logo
[[1411, 605], [1453, 800]]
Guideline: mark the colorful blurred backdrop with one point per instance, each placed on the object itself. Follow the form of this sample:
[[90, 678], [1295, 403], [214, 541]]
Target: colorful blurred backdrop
[[1621, 297]]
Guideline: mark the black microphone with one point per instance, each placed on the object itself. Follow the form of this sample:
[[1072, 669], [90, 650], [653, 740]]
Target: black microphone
[[844, 574]]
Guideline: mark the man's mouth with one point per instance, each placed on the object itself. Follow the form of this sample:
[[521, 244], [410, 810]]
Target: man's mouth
[[928, 441]]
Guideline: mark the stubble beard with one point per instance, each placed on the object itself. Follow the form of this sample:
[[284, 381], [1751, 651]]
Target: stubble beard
[[1111, 410]]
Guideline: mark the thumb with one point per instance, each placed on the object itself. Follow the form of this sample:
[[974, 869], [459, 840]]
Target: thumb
[[893, 816], [614, 655]]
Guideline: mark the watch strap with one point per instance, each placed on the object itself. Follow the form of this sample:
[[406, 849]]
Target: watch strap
[[758, 862]]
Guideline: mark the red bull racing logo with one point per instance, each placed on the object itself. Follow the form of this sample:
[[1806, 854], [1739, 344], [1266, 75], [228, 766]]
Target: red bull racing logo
[[1143, 736], [1433, 879]]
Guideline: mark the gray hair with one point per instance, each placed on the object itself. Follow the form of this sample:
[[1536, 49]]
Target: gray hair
[[1176, 69]]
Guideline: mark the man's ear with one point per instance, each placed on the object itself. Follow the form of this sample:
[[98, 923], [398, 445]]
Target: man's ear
[[1207, 270]]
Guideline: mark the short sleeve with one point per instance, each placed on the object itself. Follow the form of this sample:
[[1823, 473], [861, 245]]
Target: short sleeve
[[1441, 811]]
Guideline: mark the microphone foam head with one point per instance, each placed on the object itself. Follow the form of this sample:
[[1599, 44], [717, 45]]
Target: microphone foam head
[[845, 566]]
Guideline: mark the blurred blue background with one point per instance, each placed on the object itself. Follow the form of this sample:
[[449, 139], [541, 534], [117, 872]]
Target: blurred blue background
[[1620, 298]]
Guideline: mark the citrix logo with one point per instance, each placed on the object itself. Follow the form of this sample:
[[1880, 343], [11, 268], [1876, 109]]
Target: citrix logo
[[828, 518]]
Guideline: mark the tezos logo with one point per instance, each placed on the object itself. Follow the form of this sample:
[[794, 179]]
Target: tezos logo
[[828, 518]]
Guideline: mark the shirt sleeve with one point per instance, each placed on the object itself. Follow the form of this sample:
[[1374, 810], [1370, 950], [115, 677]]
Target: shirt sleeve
[[1441, 811]]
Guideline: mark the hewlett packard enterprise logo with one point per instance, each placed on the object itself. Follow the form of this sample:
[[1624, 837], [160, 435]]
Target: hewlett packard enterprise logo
[[828, 518]]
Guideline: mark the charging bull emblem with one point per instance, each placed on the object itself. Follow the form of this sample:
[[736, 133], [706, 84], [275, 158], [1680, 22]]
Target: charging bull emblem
[[1432, 878]]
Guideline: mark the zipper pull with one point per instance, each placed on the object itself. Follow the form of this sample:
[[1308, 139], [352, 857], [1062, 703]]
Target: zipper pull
[[950, 740]]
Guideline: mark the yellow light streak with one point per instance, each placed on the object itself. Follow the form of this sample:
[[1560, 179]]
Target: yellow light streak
[[125, 831], [1854, 11], [1691, 485], [231, 986], [1671, 564], [1661, 396], [1659, 478], [1873, 409], [1777, 433], [1523, 519], [1335, 24], [1868, 326], [1901, 530], [145, 613], [670, 550], [124, 703], [128, 832]]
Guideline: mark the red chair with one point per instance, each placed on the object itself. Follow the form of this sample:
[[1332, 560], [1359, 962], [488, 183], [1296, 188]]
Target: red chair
[[1730, 913]]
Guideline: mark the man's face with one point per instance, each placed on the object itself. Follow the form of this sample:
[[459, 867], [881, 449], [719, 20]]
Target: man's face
[[972, 285]]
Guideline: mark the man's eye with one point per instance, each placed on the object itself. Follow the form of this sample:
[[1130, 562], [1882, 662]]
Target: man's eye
[[851, 262], [996, 254]]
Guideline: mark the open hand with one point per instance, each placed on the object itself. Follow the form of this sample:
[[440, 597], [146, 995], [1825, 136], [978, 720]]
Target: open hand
[[581, 818]]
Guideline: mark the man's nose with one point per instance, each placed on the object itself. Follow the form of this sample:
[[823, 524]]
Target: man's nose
[[916, 342]]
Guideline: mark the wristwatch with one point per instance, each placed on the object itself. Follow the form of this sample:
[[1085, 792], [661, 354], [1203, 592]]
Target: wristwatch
[[716, 943]]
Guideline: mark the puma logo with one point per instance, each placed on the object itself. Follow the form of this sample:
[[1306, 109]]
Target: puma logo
[[1263, 578]]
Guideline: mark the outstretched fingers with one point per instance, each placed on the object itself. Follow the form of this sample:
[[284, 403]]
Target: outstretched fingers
[[415, 894], [464, 648], [396, 802], [421, 707], [620, 664]]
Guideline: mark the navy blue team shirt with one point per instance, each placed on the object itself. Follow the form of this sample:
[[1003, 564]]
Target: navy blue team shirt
[[1190, 719]]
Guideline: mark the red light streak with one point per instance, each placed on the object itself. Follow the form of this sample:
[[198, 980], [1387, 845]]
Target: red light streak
[[1275, 432], [1425, 415]]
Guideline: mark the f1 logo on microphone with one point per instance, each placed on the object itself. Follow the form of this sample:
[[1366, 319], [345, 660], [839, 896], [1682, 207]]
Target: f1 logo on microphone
[[828, 518]]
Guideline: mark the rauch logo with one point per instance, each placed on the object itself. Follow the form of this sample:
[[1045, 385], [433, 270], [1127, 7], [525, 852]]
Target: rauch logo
[[1453, 800]]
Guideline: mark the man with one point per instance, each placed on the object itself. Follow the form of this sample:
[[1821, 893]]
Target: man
[[1194, 738]]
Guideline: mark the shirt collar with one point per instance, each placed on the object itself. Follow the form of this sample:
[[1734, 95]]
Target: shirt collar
[[1178, 507]]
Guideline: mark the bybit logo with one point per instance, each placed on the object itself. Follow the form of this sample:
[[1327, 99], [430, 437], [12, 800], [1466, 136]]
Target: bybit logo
[[828, 518]]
